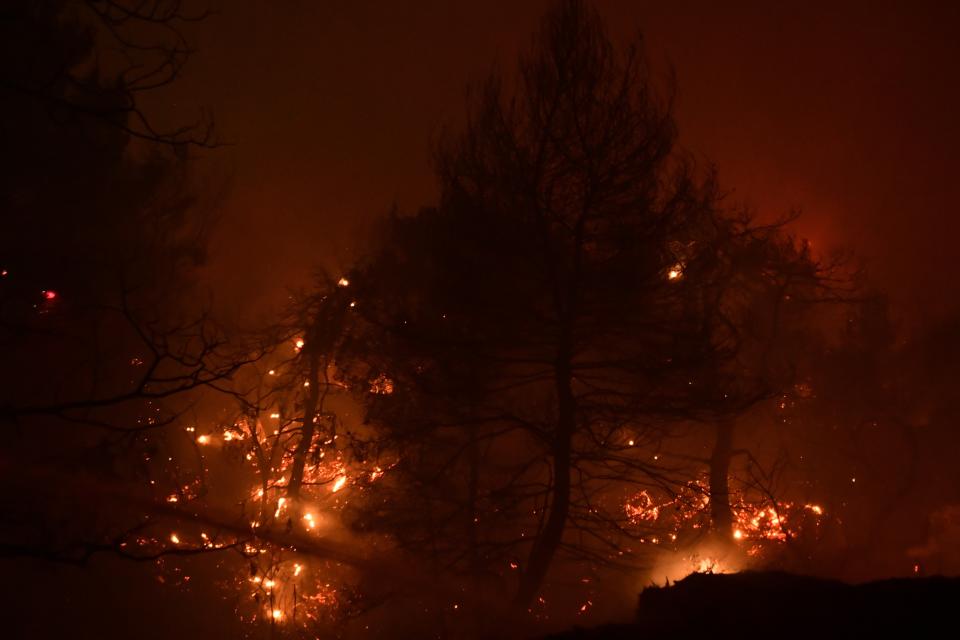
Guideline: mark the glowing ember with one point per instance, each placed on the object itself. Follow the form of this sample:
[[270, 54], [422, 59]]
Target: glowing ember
[[641, 508], [273, 584], [758, 523], [709, 565], [381, 385], [230, 435]]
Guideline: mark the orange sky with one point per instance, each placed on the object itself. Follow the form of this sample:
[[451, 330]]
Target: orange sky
[[846, 110]]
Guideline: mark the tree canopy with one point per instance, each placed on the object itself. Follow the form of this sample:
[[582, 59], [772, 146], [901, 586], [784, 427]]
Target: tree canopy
[[571, 298]]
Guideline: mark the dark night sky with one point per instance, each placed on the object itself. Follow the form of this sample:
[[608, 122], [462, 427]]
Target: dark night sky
[[845, 110]]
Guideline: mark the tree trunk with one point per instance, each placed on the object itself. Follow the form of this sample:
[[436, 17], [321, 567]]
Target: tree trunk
[[473, 496], [547, 543], [310, 403], [721, 515]]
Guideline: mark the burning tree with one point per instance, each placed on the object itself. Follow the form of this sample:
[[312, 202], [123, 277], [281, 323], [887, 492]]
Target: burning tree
[[765, 305], [562, 310], [276, 473], [109, 359]]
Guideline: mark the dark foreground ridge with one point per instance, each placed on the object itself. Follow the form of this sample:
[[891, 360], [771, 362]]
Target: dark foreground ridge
[[777, 605]]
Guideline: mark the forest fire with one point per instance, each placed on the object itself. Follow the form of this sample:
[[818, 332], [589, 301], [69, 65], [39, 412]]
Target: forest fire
[[755, 525], [579, 374]]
